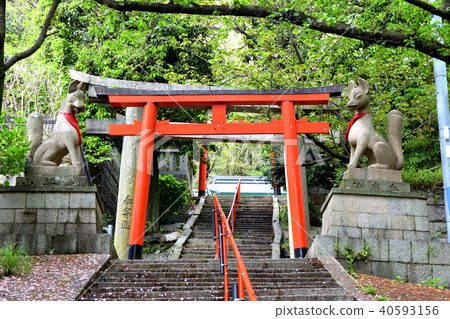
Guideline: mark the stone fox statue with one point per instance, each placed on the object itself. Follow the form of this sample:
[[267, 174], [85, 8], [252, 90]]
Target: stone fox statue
[[65, 137], [363, 138]]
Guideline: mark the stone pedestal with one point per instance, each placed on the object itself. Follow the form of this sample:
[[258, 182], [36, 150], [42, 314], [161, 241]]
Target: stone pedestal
[[44, 214], [375, 214], [375, 207], [61, 176], [375, 203]]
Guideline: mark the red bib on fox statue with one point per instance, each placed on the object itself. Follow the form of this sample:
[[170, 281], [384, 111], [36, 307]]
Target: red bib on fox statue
[[354, 119], [73, 121]]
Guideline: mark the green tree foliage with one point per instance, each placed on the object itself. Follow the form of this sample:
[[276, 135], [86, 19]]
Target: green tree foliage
[[19, 50], [174, 195], [132, 46], [14, 146], [244, 44], [100, 41], [401, 24], [270, 54], [235, 159], [273, 168]]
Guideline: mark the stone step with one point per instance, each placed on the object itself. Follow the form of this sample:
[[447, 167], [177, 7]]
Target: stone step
[[306, 264], [253, 230], [209, 274], [206, 218], [216, 293], [211, 254], [244, 249], [257, 238], [257, 234], [257, 283], [207, 244]]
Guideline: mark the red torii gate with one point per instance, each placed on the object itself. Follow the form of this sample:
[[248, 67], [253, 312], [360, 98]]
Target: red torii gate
[[149, 128]]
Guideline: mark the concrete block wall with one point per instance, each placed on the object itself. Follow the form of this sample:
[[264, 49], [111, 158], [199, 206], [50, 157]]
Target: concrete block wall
[[57, 219]]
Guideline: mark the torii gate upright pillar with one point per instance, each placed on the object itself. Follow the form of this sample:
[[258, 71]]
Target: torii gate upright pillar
[[293, 180], [142, 185], [202, 172]]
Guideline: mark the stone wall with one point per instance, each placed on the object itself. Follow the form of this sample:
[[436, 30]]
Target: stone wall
[[317, 195], [436, 218], [62, 220], [412, 260], [404, 230], [106, 177]]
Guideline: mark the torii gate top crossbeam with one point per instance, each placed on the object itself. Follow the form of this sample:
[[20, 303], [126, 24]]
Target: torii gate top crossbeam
[[218, 101], [201, 99]]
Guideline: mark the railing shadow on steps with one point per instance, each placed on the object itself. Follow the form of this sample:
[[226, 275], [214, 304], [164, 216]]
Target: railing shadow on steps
[[223, 235]]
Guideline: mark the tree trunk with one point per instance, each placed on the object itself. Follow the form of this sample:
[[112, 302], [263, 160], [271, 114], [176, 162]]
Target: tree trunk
[[2, 87], [2, 50], [154, 194]]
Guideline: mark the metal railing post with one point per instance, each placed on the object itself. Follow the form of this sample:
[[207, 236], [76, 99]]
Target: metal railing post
[[221, 250], [235, 292], [215, 231], [225, 264]]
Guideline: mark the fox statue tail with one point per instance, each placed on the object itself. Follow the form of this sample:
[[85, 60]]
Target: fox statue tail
[[394, 130], [35, 129]]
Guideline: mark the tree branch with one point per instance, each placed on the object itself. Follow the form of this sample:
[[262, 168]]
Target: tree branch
[[237, 28], [386, 38], [421, 125], [430, 8], [42, 36], [319, 161], [327, 149], [294, 44]]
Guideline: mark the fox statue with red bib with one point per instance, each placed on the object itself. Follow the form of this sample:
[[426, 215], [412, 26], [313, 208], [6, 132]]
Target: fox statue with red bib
[[363, 138], [65, 137]]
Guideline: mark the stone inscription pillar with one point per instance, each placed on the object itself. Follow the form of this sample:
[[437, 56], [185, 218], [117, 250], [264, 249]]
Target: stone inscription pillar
[[127, 179]]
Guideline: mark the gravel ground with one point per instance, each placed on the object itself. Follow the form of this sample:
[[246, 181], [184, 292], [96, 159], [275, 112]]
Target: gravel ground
[[62, 277], [52, 277]]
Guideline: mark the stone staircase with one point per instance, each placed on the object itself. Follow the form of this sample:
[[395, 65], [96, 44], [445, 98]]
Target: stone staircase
[[200, 279], [253, 230], [196, 275]]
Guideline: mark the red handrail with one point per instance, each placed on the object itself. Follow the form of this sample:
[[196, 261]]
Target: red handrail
[[243, 279], [235, 205]]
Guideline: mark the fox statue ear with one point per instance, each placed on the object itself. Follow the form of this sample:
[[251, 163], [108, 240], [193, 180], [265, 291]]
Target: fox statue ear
[[76, 85], [364, 85], [73, 86], [351, 86]]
